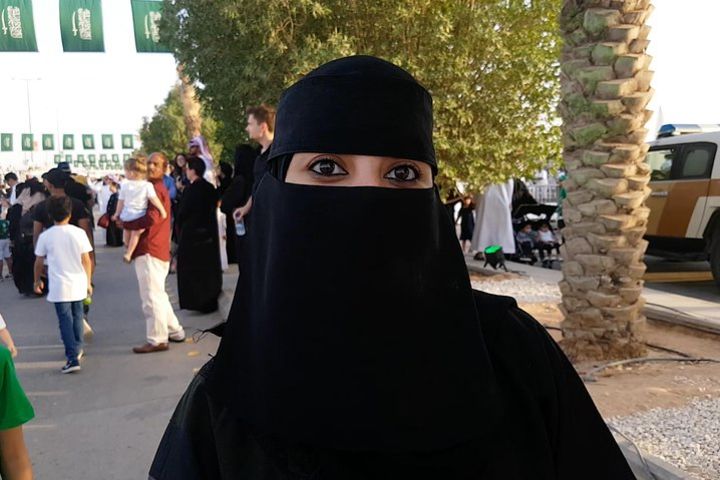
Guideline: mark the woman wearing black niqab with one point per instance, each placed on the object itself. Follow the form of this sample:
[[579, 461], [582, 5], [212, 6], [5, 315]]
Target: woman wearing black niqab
[[198, 256], [357, 348]]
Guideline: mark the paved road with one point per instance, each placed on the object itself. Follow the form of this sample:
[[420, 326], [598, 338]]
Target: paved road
[[708, 291], [105, 421]]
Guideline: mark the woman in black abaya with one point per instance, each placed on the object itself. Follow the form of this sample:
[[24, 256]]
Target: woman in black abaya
[[20, 216], [357, 348], [113, 233], [198, 256]]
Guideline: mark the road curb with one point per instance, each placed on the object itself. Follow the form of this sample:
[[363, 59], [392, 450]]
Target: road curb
[[659, 469]]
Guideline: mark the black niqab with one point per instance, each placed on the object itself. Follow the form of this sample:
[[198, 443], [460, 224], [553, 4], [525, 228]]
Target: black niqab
[[357, 328]]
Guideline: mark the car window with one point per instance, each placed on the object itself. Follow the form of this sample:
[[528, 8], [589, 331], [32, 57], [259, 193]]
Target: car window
[[661, 161], [698, 161]]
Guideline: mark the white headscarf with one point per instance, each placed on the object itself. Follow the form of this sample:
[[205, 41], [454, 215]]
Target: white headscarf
[[206, 156]]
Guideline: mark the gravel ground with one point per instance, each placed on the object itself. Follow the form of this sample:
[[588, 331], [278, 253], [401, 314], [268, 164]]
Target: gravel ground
[[525, 290], [685, 437]]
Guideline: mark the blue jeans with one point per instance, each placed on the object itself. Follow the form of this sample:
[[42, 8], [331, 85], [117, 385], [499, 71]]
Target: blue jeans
[[70, 318]]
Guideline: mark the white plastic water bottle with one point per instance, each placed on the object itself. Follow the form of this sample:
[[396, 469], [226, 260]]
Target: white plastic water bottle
[[240, 228]]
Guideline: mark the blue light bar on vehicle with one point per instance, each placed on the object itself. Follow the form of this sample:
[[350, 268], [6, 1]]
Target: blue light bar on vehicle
[[673, 129]]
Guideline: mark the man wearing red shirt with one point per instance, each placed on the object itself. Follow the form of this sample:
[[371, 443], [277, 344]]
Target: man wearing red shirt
[[152, 262]]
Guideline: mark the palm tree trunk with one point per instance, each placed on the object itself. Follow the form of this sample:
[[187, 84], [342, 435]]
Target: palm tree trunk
[[605, 91], [190, 103]]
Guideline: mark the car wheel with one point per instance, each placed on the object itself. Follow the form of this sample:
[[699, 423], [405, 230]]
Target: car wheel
[[715, 255]]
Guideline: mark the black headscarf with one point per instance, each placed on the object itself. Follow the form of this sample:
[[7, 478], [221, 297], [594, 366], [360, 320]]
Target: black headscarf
[[356, 327]]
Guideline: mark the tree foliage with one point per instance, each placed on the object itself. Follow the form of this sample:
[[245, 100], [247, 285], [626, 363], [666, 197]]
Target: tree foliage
[[491, 66], [165, 131]]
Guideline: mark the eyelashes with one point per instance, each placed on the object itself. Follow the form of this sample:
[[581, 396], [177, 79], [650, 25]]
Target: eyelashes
[[329, 167]]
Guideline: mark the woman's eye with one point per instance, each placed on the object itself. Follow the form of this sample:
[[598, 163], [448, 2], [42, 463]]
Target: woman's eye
[[327, 168], [403, 173]]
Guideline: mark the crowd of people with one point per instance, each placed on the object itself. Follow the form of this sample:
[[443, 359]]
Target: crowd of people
[[355, 347]]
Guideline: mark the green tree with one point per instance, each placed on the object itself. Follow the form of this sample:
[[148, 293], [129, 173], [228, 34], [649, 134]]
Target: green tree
[[491, 66], [606, 88], [166, 130]]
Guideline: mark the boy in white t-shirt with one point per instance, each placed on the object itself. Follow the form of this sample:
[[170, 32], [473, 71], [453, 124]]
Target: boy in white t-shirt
[[135, 193], [67, 250]]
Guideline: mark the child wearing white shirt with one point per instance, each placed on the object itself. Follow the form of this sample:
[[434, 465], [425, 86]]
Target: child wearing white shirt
[[67, 250], [135, 193]]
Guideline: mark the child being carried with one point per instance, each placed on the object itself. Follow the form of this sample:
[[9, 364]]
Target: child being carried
[[135, 193]]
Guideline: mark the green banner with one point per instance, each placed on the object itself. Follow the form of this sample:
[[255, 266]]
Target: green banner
[[126, 157], [48, 141], [127, 141], [88, 142], [17, 29], [27, 142], [107, 142], [68, 141], [80, 159], [68, 158], [146, 20], [115, 158], [6, 142], [81, 26], [92, 158], [57, 158], [103, 158]]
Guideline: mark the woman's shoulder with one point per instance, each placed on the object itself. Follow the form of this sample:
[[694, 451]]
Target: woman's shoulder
[[503, 322]]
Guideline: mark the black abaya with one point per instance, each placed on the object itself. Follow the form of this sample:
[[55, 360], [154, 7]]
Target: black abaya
[[23, 255], [113, 233], [198, 270], [551, 429]]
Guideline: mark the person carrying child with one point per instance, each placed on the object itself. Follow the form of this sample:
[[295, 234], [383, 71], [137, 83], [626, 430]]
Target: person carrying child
[[135, 193], [67, 250], [14, 412]]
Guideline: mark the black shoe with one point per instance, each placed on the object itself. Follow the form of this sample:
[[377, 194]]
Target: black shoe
[[71, 367]]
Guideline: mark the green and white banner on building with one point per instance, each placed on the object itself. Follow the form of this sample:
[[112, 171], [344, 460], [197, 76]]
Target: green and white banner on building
[[146, 20], [26, 140], [115, 158], [6, 144], [57, 158], [48, 141], [88, 142], [68, 141], [107, 142], [127, 141], [17, 29], [81, 26]]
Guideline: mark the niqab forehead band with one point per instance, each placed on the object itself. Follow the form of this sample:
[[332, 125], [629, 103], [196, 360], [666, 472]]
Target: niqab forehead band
[[356, 105]]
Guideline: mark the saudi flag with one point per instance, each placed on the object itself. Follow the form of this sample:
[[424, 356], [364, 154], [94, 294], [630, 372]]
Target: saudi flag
[[17, 29], [146, 20], [81, 26]]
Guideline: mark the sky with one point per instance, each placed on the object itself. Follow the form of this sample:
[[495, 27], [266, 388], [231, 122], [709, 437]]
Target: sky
[[111, 92]]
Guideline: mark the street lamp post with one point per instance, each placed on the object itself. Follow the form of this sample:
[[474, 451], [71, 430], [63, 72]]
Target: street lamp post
[[29, 112]]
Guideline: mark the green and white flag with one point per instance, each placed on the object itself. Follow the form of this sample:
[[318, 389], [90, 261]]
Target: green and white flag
[[27, 142], [107, 142], [146, 20], [127, 141], [17, 29], [48, 141], [88, 142], [68, 141], [6, 142], [81, 26]]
